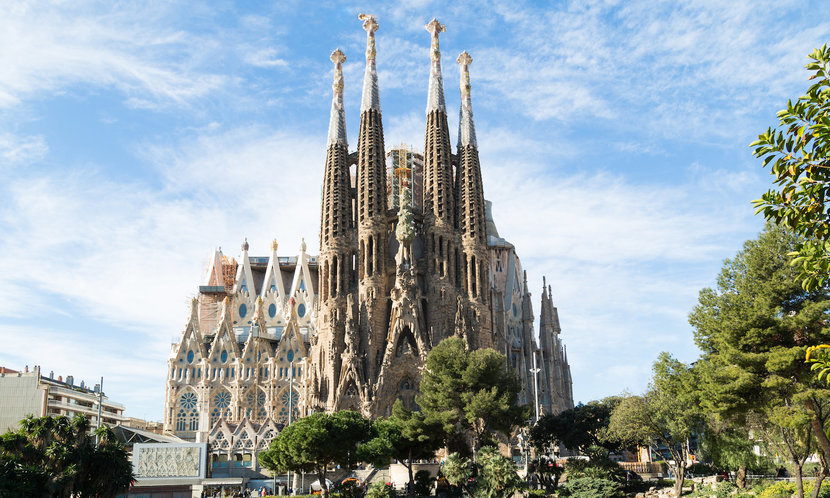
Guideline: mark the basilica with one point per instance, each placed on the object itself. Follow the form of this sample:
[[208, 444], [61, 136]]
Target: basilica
[[409, 255]]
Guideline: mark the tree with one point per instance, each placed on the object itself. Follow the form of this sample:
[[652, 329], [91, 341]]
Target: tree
[[799, 156], [492, 476], [578, 428], [56, 456], [313, 443], [405, 436], [471, 394], [665, 417], [754, 330]]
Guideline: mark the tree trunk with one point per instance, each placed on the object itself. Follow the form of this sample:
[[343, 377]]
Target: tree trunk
[[799, 482], [411, 490], [679, 478], [818, 428], [740, 477], [817, 484], [321, 476]]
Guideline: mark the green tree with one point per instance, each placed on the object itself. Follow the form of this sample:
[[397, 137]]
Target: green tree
[[313, 443], [56, 456], [497, 476], [798, 153], [492, 476], [471, 394], [405, 436], [666, 416], [578, 428], [754, 330]]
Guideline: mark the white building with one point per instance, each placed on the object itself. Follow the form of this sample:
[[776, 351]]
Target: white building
[[29, 393]]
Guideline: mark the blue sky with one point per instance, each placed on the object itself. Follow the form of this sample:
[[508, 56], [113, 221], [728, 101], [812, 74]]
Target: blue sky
[[136, 138]]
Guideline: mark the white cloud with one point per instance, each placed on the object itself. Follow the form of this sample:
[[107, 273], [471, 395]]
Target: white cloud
[[16, 150]]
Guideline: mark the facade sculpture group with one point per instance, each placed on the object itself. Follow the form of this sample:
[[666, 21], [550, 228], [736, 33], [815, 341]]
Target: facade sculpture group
[[274, 338]]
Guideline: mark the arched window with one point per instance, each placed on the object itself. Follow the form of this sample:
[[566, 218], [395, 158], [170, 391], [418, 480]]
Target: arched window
[[294, 401], [255, 405], [188, 416], [220, 406]]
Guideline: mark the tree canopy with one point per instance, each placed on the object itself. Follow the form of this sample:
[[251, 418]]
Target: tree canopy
[[469, 393], [665, 417], [313, 443], [56, 456], [577, 428], [798, 153], [754, 330]]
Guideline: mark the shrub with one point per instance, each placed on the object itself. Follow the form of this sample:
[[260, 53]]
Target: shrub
[[781, 489], [700, 469], [380, 490], [823, 493], [724, 489], [536, 493], [590, 487]]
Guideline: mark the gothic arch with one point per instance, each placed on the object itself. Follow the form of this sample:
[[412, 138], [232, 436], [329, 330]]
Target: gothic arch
[[187, 411], [220, 405]]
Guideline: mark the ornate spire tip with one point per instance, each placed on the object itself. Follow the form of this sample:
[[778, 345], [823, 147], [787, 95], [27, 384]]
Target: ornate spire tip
[[338, 57]]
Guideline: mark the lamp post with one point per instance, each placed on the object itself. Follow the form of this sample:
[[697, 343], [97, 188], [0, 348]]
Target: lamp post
[[535, 372]]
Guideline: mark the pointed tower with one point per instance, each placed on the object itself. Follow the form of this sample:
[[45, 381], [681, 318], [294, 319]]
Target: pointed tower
[[337, 244], [442, 256], [375, 268], [470, 212], [547, 390]]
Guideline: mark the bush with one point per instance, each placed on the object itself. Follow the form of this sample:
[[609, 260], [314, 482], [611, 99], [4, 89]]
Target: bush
[[380, 490], [724, 489], [536, 493], [590, 487], [781, 489], [598, 467], [823, 493]]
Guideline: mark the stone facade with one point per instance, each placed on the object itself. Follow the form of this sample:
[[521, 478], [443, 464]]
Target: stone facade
[[352, 328]]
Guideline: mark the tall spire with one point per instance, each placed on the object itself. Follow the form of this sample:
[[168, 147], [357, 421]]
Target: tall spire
[[337, 121], [435, 96], [466, 127], [371, 100]]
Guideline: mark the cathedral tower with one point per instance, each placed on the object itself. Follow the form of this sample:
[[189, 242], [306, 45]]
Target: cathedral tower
[[443, 272], [470, 215], [372, 221], [337, 244]]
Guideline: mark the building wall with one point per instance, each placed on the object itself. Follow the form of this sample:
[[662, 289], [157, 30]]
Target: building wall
[[20, 395]]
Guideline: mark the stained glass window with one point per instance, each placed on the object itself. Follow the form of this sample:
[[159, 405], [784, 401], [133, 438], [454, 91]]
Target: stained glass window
[[284, 401], [190, 356], [188, 416], [256, 406], [272, 310], [224, 356]]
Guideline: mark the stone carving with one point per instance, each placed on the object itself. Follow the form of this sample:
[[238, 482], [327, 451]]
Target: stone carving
[[168, 461]]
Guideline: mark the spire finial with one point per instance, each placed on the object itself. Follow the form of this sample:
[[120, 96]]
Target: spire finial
[[337, 121], [435, 99], [245, 245], [274, 245], [370, 100], [302, 245], [466, 127]]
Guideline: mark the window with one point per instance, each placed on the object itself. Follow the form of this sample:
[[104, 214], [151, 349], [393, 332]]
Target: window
[[272, 310], [301, 310], [243, 310], [190, 356], [224, 356]]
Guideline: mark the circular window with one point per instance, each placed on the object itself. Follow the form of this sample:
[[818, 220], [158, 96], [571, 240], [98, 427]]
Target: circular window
[[190, 356], [301, 310], [224, 356], [243, 310], [188, 400], [272, 310]]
